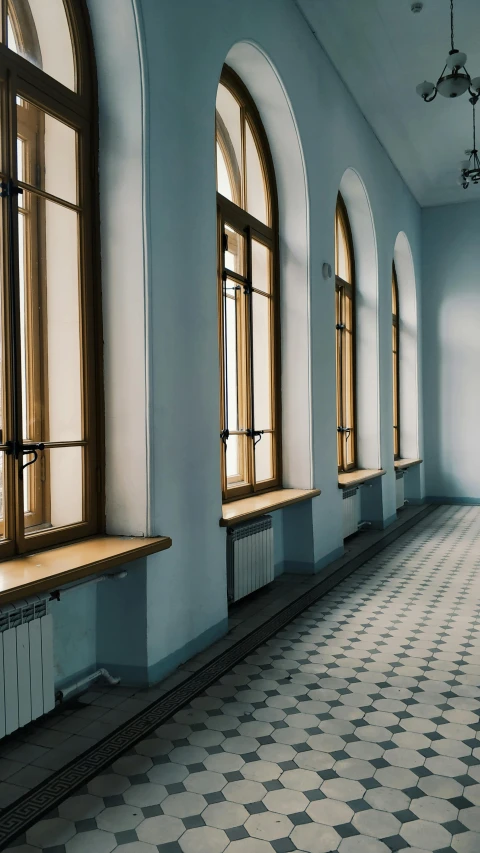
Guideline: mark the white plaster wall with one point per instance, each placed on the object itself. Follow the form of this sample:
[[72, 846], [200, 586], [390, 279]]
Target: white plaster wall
[[451, 341]]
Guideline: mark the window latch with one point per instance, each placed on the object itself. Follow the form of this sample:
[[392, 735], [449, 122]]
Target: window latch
[[225, 435], [253, 433], [9, 189], [340, 327], [346, 431], [18, 449], [225, 288]]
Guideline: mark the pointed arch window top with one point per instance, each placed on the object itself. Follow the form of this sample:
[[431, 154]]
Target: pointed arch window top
[[242, 172], [40, 32]]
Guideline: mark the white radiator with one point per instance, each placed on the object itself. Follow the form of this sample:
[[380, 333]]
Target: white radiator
[[249, 557], [400, 489], [26, 664], [351, 511]]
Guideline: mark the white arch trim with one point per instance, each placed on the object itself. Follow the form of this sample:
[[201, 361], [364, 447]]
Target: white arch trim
[[360, 216], [407, 299], [268, 92]]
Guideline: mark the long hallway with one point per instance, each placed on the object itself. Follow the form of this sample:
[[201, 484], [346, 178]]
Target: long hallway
[[353, 729]]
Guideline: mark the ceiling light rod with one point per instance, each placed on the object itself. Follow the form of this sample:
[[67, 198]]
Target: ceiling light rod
[[471, 168], [457, 81]]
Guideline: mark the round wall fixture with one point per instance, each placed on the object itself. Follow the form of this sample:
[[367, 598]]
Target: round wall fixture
[[416, 7], [327, 270]]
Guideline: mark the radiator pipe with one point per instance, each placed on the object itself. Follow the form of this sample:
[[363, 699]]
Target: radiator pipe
[[77, 686], [57, 593], [363, 525]]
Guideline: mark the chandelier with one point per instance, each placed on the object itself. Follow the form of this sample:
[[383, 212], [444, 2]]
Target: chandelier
[[457, 79], [471, 168]]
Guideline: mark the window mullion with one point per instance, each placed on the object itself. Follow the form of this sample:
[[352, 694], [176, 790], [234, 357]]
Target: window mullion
[[249, 353], [3, 22], [15, 362]]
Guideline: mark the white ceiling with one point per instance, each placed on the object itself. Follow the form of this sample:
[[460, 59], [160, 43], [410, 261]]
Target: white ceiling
[[382, 50]]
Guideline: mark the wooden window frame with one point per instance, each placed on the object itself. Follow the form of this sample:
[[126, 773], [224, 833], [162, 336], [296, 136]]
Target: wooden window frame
[[79, 110], [345, 366], [396, 364], [235, 216]]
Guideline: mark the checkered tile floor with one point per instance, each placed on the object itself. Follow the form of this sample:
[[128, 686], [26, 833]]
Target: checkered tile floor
[[356, 728]]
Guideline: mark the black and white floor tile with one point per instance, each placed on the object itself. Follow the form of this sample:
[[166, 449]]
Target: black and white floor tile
[[355, 728]]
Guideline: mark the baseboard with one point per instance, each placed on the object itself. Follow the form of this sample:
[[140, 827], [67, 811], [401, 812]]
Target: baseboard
[[297, 567], [329, 558], [158, 671], [146, 676], [453, 501]]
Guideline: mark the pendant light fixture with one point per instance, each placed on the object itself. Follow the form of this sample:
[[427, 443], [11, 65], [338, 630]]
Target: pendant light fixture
[[454, 79], [470, 173]]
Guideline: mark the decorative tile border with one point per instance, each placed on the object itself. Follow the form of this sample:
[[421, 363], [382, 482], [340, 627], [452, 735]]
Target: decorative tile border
[[26, 811]]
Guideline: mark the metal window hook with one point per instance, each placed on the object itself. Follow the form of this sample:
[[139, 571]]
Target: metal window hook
[[33, 448], [252, 433], [18, 449]]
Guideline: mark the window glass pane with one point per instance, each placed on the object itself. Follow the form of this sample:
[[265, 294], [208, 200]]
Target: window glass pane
[[233, 463], [229, 138], [342, 252], [349, 414], [55, 489], [3, 325], [261, 266], [395, 390], [264, 458], [38, 30], [20, 159], [11, 37], [50, 320], [2, 495], [231, 354], [235, 252], [256, 191], [394, 298], [48, 151], [236, 460], [338, 334], [224, 183], [262, 368]]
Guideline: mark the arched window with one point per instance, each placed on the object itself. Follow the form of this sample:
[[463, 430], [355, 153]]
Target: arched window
[[248, 295], [396, 365], [50, 472], [345, 326]]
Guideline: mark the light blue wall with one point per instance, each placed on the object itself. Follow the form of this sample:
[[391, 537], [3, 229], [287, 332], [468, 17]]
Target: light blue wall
[[185, 46], [180, 596], [451, 343], [75, 633]]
